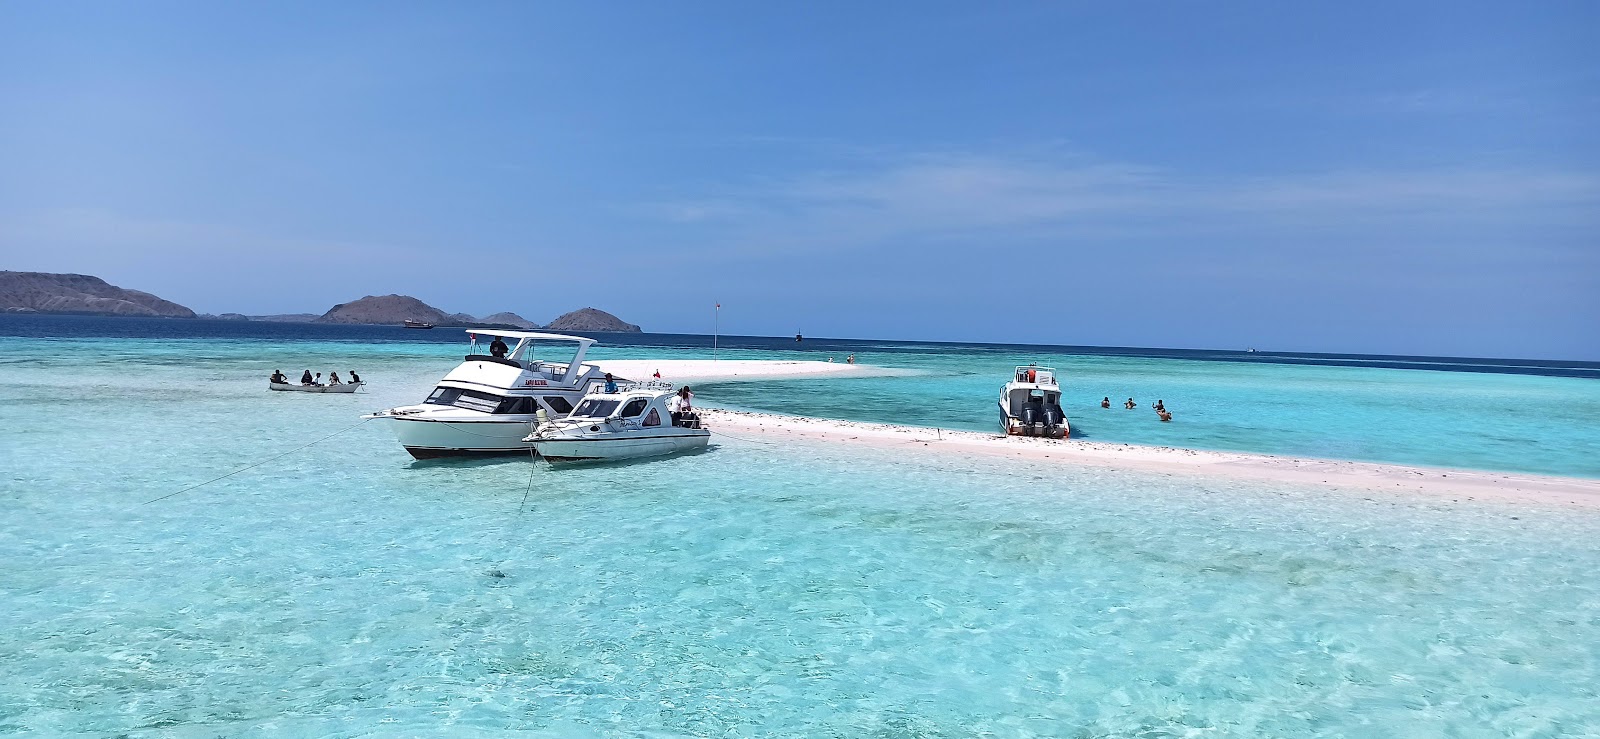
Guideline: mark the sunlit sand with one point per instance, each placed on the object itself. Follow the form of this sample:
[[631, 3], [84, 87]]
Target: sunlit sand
[[1456, 485], [726, 370]]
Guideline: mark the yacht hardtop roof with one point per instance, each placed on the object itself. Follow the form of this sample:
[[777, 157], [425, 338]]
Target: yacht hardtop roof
[[529, 335]]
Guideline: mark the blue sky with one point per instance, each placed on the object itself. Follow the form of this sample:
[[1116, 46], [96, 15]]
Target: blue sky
[[1419, 178]]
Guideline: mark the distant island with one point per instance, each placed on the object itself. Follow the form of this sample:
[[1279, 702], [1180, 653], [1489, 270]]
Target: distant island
[[44, 292]]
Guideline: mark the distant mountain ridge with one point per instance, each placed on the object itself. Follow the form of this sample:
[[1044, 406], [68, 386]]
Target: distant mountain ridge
[[396, 309], [45, 292]]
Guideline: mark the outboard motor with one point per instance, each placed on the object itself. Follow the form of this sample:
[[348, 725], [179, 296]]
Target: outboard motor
[[1029, 416], [1052, 416]]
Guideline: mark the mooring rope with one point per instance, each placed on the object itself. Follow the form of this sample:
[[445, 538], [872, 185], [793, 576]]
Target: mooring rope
[[253, 466]]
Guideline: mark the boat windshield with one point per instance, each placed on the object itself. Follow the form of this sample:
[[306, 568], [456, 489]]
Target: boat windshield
[[596, 408]]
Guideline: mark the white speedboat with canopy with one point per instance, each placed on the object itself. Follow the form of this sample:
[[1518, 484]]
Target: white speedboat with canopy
[[632, 422], [1030, 404], [488, 403]]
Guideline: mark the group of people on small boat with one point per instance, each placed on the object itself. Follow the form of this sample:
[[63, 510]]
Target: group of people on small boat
[[1160, 407], [307, 379]]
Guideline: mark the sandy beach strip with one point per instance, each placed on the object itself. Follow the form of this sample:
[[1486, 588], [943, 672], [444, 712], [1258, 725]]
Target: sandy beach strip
[[1450, 484], [734, 370]]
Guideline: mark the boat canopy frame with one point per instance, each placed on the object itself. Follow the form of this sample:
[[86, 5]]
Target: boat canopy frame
[[525, 339]]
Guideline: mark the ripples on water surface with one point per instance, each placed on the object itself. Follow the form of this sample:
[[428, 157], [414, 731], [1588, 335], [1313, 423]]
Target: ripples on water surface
[[752, 589]]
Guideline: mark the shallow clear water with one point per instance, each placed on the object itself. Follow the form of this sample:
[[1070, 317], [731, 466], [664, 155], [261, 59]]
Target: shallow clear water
[[1508, 415], [1452, 419], [753, 589]]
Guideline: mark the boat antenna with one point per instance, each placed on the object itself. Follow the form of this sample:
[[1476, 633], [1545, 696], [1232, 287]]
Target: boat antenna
[[716, 328]]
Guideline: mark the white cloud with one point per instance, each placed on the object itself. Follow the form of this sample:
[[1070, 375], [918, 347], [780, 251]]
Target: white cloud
[[932, 195]]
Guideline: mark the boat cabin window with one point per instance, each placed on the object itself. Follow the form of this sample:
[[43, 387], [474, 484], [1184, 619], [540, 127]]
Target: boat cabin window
[[593, 408], [517, 405], [476, 401], [558, 404], [635, 407], [654, 419], [443, 396]]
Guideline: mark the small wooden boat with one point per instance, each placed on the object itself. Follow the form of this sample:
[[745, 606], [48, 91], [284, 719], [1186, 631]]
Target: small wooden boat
[[349, 387], [408, 323]]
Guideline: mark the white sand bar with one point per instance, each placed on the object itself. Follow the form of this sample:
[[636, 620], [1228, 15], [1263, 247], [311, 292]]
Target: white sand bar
[[726, 370], [1457, 485]]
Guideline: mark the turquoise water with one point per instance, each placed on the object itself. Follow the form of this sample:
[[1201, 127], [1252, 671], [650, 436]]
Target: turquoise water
[[755, 589], [1525, 423]]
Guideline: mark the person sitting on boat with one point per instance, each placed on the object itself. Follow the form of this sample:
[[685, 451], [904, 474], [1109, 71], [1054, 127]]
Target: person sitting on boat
[[333, 379], [318, 381], [498, 348], [611, 384], [278, 378], [1130, 405], [1105, 402], [355, 379], [305, 378]]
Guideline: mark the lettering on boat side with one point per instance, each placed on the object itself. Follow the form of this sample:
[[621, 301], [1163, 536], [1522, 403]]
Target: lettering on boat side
[[535, 382]]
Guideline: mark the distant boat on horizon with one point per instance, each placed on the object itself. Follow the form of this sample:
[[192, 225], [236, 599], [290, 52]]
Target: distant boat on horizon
[[408, 323]]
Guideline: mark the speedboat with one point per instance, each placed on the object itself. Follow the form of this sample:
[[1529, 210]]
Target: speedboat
[[629, 423], [1030, 404], [348, 387], [487, 404]]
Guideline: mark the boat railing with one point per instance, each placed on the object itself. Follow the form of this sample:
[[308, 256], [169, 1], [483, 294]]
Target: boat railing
[[596, 386], [1035, 374]]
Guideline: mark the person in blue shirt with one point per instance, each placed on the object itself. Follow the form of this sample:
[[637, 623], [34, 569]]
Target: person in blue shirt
[[611, 384]]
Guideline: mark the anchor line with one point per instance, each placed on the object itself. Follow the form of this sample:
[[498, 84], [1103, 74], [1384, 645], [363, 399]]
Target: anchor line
[[735, 438], [533, 464], [253, 466]]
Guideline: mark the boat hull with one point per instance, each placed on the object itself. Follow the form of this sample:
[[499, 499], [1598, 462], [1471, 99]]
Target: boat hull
[[286, 387], [433, 439], [621, 446]]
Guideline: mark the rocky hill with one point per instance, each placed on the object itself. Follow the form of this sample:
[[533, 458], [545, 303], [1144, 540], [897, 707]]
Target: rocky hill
[[46, 292], [384, 310], [508, 319], [591, 319]]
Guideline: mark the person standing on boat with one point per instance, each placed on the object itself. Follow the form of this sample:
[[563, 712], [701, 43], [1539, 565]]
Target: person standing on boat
[[611, 384], [278, 378], [305, 378], [498, 348], [681, 406]]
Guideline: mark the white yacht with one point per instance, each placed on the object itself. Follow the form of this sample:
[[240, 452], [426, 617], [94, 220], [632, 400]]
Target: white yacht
[[1030, 404], [487, 404], [631, 422]]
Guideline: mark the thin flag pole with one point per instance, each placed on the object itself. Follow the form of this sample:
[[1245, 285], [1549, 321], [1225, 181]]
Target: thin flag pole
[[716, 328]]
